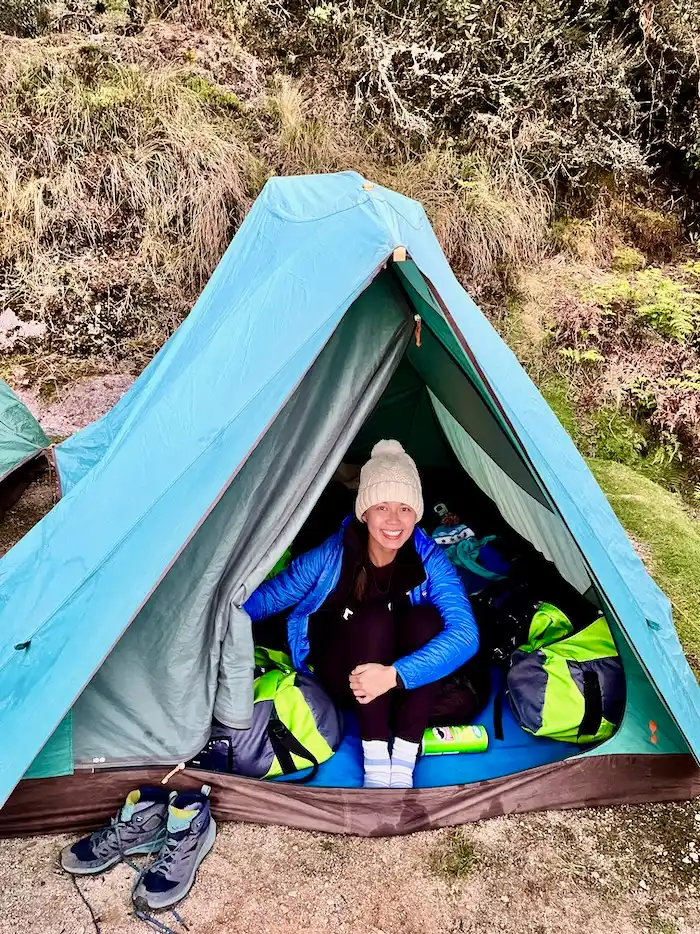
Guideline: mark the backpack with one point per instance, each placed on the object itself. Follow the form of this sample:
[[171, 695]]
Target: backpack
[[295, 725], [567, 685], [504, 611]]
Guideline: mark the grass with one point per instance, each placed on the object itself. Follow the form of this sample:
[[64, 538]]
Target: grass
[[662, 521], [119, 191], [456, 857], [123, 179]]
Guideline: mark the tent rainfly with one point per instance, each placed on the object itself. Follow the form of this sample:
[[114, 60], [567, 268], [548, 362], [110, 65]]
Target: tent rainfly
[[121, 632], [23, 447]]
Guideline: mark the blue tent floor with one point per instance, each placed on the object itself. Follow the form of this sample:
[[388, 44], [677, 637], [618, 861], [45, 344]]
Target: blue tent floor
[[516, 752]]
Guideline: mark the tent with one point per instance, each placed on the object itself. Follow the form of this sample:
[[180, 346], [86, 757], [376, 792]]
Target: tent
[[120, 619], [23, 447]]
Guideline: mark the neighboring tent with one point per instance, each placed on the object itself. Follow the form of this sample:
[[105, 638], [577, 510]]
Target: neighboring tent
[[23, 447], [121, 605]]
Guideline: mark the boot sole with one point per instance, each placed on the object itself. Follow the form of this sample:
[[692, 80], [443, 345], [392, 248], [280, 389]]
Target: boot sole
[[143, 850], [141, 902]]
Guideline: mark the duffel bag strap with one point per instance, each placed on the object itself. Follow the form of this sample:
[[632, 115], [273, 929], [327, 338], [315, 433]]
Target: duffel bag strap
[[593, 701], [498, 702], [284, 745]]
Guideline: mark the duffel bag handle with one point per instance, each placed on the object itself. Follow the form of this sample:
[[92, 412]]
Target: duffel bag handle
[[284, 745]]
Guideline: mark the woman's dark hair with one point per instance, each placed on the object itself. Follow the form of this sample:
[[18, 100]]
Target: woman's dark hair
[[360, 588]]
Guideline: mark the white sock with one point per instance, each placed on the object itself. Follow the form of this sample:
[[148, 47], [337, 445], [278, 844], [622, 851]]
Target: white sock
[[377, 763], [403, 762]]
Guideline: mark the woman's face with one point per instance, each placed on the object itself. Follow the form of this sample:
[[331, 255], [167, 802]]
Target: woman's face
[[390, 524]]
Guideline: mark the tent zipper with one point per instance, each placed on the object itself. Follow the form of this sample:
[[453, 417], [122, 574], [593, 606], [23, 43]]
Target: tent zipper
[[417, 329]]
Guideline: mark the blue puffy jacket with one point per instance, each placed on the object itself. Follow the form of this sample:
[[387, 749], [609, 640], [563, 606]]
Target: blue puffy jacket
[[312, 577]]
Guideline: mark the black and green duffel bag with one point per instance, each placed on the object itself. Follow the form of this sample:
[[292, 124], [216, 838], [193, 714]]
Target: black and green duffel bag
[[295, 725], [567, 685]]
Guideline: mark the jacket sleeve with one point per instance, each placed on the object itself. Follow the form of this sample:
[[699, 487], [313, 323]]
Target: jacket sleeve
[[459, 639], [288, 587]]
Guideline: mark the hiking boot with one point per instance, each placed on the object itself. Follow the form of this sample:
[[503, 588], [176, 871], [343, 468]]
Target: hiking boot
[[190, 835], [139, 827]]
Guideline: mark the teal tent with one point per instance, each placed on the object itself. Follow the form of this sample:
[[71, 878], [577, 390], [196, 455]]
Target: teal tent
[[23, 446], [333, 314]]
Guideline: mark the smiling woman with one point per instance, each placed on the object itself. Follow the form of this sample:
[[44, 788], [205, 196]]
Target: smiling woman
[[388, 616]]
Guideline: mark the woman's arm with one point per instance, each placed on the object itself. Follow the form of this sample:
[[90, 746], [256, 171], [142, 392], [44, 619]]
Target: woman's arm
[[459, 639], [289, 586]]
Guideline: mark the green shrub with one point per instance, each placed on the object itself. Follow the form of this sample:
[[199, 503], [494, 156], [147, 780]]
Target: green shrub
[[668, 307], [558, 395], [212, 94], [610, 433], [575, 236], [657, 234], [627, 259], [616, 436]]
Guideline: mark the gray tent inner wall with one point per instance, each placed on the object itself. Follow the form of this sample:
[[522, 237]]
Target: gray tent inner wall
[[188, 654]]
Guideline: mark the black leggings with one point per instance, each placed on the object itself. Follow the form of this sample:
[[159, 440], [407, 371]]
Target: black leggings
[[374, 633]]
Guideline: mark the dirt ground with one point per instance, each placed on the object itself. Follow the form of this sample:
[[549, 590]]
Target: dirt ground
[[627, 870], [72, 407], [618, 871]]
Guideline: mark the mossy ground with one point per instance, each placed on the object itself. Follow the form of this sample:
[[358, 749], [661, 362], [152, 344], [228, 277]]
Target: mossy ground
[[662, 522]]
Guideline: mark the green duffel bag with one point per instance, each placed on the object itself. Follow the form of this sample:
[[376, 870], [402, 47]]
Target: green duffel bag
[[295, 725], [567, 685]]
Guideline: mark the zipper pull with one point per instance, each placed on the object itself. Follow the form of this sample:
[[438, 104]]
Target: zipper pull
[[178, 768], [416, 330]]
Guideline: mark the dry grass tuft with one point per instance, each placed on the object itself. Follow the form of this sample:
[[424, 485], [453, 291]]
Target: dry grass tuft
[[491, 219], [127, 164], [127, 185]]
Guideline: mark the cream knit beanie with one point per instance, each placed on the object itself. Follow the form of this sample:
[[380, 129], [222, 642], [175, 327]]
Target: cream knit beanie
[[389, 476]]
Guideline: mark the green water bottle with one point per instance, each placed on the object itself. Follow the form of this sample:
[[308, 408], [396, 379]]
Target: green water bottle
[[452, 739]]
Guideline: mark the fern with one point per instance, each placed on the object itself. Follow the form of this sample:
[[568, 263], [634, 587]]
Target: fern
[[591, 355], [667, 306], [669, 450]]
